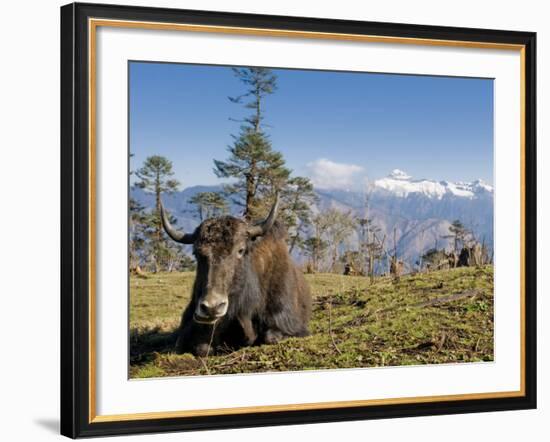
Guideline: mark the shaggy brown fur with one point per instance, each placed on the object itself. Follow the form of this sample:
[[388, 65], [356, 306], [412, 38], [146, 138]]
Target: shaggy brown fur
[[265, 296]]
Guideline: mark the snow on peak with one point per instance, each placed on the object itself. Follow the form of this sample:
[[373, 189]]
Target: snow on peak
[[398, 174], [480, 185], [401, 184]]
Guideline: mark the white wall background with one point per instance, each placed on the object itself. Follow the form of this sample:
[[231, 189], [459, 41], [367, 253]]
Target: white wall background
[[29, 221]]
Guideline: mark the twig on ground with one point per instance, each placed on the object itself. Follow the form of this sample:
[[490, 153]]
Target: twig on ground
[[205, 365], [205, 360], [448, 298], [330, 326], [441, 342], [476, 347], [436, 346], [211, 339]]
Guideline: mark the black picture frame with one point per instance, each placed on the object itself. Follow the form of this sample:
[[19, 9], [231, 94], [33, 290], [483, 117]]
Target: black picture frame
[[75, 221]]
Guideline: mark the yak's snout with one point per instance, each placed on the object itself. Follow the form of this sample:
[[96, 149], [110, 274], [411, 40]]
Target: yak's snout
[[210, 309]]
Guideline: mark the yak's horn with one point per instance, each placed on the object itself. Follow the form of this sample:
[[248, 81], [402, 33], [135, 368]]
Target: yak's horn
[[263, 227], [184, 238]]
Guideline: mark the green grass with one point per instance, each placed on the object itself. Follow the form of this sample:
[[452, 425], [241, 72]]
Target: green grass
[[354, 324]]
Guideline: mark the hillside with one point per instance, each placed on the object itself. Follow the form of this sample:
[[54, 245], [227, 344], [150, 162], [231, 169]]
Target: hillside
[[420, 211], [439, 317]]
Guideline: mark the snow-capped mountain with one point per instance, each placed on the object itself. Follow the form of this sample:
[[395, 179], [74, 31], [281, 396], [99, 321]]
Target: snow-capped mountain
[[402, 185], [419, 210]]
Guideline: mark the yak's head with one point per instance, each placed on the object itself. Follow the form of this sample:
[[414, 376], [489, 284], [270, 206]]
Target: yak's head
[[220, 245]]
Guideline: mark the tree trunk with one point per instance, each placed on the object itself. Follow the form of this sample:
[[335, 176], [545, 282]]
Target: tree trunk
[[158, 228], [250, 192], [293, 243], [371, 267], [258, 109]]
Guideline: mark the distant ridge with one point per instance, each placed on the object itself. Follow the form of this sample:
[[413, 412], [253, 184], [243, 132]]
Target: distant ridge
[[420, 210]]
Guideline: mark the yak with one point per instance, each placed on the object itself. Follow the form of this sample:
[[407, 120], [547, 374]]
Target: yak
[[247, 290]]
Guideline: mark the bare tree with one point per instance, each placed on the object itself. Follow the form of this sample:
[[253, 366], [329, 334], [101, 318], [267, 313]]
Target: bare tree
[[337, 226], [396, 265], [331, 229]]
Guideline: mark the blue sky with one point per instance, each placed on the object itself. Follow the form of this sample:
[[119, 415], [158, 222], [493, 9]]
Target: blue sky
[[335, 127]]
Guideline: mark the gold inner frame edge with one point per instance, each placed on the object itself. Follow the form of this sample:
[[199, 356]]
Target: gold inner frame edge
[[93, 24]]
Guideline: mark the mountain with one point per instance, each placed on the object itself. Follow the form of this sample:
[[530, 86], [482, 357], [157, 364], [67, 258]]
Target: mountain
[[399, 184], [429, 201], [177, 204], [420, 210]]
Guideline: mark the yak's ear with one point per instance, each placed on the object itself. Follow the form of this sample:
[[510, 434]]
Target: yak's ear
[[264, 227]]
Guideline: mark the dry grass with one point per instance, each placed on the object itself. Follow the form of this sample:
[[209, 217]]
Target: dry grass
[[354, 324]]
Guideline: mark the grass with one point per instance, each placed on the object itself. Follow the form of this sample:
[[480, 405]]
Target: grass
[[354, 324]]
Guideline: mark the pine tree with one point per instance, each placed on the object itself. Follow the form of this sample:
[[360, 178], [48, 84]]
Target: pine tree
[[209, 204], [155, 176], [258, 169]]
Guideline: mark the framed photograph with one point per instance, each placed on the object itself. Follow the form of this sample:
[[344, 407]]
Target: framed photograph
[[274, 220]]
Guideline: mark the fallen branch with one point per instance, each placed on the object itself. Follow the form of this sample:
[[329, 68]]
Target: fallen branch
[[441, 342], [436, 346], [448, 298], [330, 326], [205, 365]]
